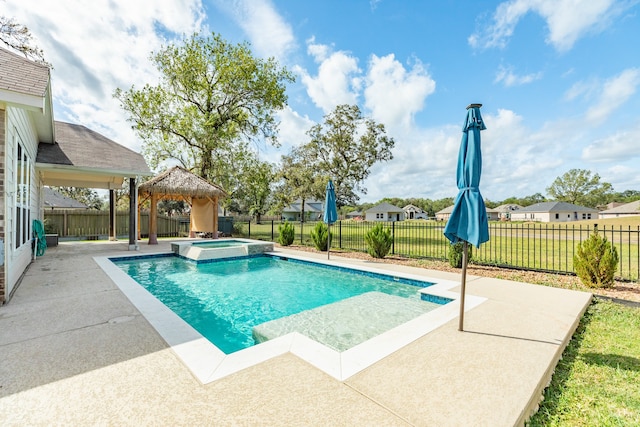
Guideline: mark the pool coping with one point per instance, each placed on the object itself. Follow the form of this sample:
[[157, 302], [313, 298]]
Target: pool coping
[[208, 363]]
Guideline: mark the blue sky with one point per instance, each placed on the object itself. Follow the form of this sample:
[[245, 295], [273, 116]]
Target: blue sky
[[558, 79]]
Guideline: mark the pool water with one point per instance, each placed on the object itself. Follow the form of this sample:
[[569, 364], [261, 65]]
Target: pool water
[[219, 244], [225, 300]]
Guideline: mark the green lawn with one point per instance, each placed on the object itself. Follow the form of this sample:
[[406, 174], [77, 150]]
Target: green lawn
[[537, 246], [597, 382]]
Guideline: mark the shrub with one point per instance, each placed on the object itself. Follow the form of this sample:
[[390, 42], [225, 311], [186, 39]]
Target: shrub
[[319, 236], [378, 241], [286, 233], [455, 254], [596, 261], [238, 229]]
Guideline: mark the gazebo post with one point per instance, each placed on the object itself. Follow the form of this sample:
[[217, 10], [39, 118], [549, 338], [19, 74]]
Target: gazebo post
[[215, 217], [112, 215], [153, 220]]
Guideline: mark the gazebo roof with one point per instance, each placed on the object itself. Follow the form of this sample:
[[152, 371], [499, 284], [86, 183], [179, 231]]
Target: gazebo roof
[[179, 182]]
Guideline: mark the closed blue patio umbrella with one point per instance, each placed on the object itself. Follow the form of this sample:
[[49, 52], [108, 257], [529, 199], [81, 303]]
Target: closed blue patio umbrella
[[330, 212], [468, 221]]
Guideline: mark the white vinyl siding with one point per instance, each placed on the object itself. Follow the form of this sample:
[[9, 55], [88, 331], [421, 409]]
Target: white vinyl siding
[[22, 190]]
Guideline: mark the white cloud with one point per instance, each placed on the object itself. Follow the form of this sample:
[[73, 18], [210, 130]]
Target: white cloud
[[508, 78], [269, 33], [394, 94], [567, 21], [96, 47], [621, 146], [615, 92], [338, 80], [622, 177]]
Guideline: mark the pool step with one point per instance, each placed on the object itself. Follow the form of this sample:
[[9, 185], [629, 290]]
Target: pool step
[[349, 322]]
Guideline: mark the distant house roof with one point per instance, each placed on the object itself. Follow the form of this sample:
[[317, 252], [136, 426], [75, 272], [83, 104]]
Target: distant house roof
[[446, 210], [411, 207], [81, 154], [627, 208], [354, 214], [309, 206], [555, 207], [55, 200], [507, 208], [384, 207]]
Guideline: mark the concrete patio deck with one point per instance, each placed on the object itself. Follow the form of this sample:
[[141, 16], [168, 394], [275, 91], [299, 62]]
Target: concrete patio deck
[[75, 351]]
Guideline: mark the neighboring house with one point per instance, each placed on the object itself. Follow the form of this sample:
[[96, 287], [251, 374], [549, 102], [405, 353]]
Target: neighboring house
[[54, 200], [354, 215], [627, 209], [492, 214], [504, 211], [384, 212], [313, 210], [36, 151], [444, 214], [554, 212], [414, 212]]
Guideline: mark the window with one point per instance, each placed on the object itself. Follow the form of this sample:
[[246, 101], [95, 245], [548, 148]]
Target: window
[[379, 216], [22, 177], [557, 216]]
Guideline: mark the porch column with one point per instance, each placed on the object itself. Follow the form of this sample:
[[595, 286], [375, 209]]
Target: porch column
[[133, 214], [153, 220], [112, 215]]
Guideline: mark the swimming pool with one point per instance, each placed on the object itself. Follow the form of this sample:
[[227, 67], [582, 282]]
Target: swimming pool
[[208, 363], [227, 301]]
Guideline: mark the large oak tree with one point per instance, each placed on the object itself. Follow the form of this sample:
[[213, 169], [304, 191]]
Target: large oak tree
[[581, 187], [213, 97], [345, 147]]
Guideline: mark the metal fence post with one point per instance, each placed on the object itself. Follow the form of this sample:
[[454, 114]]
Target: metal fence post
[[249, 222], [272, 235], [340, 234], [393, 237]]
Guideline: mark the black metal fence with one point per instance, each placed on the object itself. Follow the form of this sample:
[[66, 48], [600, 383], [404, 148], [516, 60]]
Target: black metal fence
[[544, 247]]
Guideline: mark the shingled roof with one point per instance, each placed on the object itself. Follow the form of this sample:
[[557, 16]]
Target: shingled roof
[[27, 84], [81, 147], [55, 200], [22, 76], [178, 182]]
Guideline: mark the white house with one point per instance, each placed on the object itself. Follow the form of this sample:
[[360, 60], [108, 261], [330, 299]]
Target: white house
[[628, 209], [554, 212], [444, 214], [504, 211], [384, 212], [414, 212], [35, 151], [313, 210]]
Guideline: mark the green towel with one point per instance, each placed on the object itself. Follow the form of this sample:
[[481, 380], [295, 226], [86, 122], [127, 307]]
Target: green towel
[[38, 231]]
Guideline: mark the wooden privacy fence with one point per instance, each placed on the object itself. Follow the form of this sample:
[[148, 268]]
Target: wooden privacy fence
[[528, 246], [95, 224]]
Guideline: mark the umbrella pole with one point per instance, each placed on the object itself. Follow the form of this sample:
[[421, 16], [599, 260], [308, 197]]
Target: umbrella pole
[[465, 253], [328, 239]]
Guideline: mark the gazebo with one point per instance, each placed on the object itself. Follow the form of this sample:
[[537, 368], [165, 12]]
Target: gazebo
[[178, 183]]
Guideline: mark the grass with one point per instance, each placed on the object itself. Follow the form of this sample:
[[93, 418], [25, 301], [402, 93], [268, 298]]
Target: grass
[[539, 246], [597, 382]]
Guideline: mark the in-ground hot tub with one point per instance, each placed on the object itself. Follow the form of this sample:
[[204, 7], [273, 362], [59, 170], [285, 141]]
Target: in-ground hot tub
[[220, 248]]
